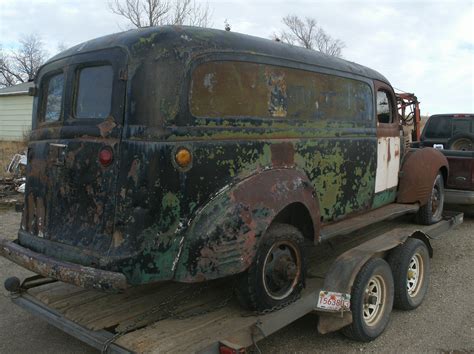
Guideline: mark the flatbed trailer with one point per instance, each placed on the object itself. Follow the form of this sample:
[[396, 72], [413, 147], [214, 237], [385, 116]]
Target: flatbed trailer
[[206, 318]]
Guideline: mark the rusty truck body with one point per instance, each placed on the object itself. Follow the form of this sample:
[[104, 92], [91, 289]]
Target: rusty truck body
[[186, 154]]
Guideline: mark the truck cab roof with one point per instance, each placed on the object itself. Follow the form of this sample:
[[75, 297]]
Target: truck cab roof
[[193, 41]]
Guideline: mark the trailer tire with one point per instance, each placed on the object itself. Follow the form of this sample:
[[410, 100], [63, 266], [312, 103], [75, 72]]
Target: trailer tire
[[410, 264], [371, 301], [280, 260], [432, 212]]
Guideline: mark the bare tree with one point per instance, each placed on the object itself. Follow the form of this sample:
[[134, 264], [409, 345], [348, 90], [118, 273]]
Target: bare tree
[[147, 13], [189, 12], [6, 74], [21, 65], [306, 33]]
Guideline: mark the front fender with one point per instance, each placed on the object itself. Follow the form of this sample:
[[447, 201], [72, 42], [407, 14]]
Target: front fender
[[223, 236], [419, 170]]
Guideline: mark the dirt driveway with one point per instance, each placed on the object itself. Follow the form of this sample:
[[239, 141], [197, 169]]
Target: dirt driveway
[[444, 322]]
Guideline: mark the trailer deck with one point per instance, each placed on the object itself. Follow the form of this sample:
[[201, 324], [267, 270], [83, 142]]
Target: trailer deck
[[174, 317]]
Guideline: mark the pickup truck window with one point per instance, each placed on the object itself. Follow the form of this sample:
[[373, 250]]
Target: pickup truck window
[[439, 128], [461, 126]]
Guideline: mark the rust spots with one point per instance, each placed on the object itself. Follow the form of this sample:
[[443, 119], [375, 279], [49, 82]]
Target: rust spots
[[389, 155], [277, 97], [117, 239], [133, 172], [106, 126], [283, 154], [419, 170]]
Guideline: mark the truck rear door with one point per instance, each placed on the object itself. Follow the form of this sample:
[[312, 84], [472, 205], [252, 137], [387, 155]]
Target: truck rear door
[[72, 156]]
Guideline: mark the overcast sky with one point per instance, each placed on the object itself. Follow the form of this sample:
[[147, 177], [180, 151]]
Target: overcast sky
[[426, 47]]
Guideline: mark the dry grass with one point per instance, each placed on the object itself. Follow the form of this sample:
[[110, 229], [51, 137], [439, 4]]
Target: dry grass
[[7, 150]]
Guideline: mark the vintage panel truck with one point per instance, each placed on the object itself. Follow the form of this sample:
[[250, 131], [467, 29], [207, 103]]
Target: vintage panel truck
[[181, 155]]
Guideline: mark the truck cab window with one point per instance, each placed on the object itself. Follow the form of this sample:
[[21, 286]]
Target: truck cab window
[[384, 107], [54, 98]]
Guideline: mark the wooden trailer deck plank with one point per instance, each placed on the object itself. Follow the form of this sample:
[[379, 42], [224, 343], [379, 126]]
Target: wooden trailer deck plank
[[57, 291], [203, 330]]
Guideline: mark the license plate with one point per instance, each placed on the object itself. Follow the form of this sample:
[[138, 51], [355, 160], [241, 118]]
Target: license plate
[[332, 301]]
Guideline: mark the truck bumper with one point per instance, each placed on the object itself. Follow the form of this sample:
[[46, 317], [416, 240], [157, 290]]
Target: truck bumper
[[456, 196], [86, 277]]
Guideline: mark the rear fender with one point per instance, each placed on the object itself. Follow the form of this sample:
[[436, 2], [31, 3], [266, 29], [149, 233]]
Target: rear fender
[[419, 170], [223, 236]]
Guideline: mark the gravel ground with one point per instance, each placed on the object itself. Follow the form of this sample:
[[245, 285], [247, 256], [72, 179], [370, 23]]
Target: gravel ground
[[444, 322]]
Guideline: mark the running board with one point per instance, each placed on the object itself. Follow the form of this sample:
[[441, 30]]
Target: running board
[[347, 226]]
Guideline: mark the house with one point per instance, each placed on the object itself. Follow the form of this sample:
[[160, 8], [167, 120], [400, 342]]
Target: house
[[15, 112]]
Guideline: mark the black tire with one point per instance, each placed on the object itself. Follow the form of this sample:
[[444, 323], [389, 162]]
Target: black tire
[[461, 142], [280, 262], [410, 264], [368, 323], [432, 212]]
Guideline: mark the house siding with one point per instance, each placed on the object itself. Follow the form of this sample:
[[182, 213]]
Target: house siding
[[15, 116]]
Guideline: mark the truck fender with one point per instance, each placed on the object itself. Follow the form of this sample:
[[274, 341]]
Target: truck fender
[[417, 175], [222, 238]]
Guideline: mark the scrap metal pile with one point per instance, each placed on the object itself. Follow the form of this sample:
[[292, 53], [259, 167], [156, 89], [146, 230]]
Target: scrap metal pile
[[14, 182]]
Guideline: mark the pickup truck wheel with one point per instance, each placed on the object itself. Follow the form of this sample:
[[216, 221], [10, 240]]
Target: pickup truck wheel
[[461, 142], [410, 264], [277, 273], [371, 301], [432, 212]]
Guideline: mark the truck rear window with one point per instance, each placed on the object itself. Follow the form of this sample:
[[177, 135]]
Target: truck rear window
[[54, 91], [444, 127], [94, 92]]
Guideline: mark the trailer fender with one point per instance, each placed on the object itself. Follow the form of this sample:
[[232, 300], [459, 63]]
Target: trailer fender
[[418, 172], [344, 270], [223, 236]]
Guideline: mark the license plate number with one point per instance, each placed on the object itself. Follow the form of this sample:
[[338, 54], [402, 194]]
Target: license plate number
[[332, 301]]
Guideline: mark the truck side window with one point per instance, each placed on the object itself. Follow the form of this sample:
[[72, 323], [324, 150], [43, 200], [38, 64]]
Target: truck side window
[[54, 97], [231, 89], [384, 107]]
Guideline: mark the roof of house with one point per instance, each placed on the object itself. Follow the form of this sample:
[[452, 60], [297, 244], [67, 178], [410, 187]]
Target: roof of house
[[16, 90]]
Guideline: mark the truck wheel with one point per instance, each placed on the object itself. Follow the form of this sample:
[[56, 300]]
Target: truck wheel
[[461, 142], [410, 264], [371, 301], [432, 212], [277, 273]]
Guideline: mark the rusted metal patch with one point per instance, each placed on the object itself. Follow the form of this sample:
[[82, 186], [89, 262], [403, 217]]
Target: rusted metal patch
[[418, 172], [86, 277]]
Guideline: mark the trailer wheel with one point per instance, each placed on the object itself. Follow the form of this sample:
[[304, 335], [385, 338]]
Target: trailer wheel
[[371, 301], [432, 212], [410, 264], [277, 273]]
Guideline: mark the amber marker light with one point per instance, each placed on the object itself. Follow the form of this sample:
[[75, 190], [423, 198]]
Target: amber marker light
[[183, 157]]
